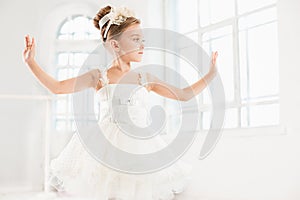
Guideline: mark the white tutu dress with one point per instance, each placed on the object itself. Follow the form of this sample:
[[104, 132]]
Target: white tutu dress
[[77, 172]]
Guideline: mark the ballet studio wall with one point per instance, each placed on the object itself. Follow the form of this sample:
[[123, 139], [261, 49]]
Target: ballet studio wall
[[260, 166]]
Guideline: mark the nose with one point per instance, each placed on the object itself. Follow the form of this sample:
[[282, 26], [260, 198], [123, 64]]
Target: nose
[[142, 45]]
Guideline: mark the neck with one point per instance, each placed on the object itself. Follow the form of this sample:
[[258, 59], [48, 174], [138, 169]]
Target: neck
[[121, 65]]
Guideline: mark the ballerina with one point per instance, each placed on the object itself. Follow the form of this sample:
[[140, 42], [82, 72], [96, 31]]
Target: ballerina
[[74, 171]]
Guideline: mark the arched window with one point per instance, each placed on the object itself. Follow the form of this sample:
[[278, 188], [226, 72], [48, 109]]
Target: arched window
[[77, 27], [75, 39]]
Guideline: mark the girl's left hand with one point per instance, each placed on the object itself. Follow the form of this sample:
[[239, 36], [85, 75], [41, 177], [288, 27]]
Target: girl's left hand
[[213, 64]]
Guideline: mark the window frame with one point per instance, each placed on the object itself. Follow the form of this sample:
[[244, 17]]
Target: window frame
[[237, 102], [70, 46]]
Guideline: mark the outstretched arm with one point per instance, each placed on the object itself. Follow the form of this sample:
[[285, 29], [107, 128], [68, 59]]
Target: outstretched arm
[[183, 94], [84, 81]]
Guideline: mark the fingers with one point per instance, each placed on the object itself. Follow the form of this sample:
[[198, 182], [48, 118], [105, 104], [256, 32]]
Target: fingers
[[26, 40], [33, 42], [28, 43], [214, 55]]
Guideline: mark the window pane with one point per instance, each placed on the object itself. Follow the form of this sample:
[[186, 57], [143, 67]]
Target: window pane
[[65, 125], [61, 106], [217, 33], [62, 74], [260, 115], [80, 36], [73, 126], [93, 31], [187, 15], [71, 59], [259, 18], [206, 119], [75, 71], [213, 11], [247, 5], [64, 37], [61, 125], [62, 59], [80, 25], [221, 40], [79, 28], [94, 36], [221, 10], [206, 93], [231, 118], [204, 12], [66, 28], [206, 96], [259, 60], [193, 36], [70, 104], [91, 28], [79, 59], [187, 71]]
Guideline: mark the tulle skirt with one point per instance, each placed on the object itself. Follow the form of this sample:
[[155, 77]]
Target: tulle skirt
[[77, 172]]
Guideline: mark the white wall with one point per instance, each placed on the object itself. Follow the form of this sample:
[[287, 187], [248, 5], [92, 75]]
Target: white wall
[[22, 135]]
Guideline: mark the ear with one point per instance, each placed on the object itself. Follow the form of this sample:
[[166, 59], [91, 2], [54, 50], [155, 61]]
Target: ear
[[115, 45]]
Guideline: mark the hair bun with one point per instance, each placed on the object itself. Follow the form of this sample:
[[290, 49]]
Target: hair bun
[[102, 12], [114, 30]]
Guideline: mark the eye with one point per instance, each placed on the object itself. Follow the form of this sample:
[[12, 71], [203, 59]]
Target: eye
[[138, 39]]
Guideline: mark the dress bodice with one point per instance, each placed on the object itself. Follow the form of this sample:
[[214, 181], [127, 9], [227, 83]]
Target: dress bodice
[[123, 103]]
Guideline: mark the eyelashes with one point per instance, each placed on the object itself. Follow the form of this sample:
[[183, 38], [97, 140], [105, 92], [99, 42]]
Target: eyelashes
[[139, 40]]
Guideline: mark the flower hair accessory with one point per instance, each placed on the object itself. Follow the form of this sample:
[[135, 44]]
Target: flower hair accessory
[[115, 16]]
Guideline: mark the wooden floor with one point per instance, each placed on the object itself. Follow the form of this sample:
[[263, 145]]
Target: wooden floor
[[53, 196]]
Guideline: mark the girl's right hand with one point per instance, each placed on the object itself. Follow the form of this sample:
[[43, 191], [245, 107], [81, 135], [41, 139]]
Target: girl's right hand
[[29, 51]]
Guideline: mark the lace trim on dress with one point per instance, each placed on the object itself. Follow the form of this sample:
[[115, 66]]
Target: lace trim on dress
[[142, 80]]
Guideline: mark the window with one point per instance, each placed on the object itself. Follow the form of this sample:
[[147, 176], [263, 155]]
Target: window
[[74, 31], [245, 35]]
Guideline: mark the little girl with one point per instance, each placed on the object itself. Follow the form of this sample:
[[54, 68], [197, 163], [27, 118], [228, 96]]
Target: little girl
[[75, 171]]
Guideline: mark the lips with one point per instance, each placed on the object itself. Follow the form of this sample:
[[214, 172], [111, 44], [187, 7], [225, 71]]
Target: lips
[[140, 53]]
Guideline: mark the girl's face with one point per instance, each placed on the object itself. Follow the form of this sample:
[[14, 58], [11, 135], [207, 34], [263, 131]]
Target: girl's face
[[131, 44]]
